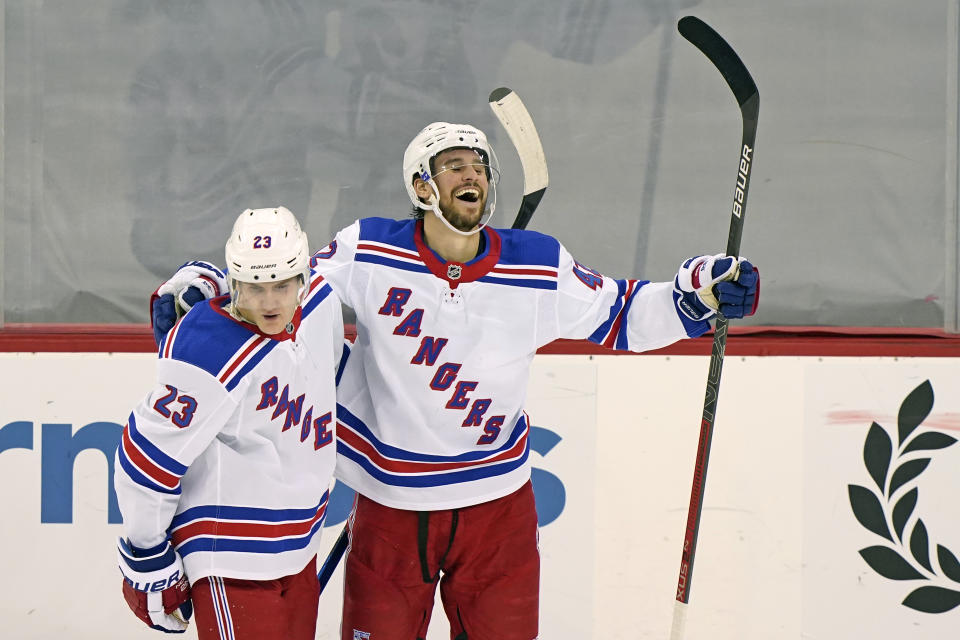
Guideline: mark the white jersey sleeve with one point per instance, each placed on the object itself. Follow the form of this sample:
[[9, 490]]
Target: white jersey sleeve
[[626, 314], [338, 342], [163, 436], [335, 263]]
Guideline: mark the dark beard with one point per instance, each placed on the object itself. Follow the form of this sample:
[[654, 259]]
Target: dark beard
[[460, 222]]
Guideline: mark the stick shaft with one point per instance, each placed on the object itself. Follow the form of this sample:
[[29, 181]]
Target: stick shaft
[[333, 558], [745, 91]]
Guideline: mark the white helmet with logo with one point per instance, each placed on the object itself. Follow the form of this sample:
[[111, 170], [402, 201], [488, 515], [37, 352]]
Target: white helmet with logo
[[267, 245], [438, 137]]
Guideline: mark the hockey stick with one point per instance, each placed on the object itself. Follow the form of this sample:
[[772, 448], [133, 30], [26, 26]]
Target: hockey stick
[[333, 559], [745, 90], [515, 118]]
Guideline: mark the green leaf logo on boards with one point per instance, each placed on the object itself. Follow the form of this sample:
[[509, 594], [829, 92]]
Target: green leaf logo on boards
[[887, 509]]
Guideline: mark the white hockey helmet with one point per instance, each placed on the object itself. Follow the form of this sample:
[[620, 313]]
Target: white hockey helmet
[[435, 138], [267, 245]]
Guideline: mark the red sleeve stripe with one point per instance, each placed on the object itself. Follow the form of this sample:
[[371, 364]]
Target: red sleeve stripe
[[610, 339], [400, 253], [525, 271], [145, 465]]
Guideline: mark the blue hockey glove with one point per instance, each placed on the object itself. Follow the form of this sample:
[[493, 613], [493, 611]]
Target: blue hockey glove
[[739, 297], [193, 282], [705, 284], [155, 587]]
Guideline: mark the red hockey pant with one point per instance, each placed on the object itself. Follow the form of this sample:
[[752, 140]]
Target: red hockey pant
[[233, 609], [484, 557]]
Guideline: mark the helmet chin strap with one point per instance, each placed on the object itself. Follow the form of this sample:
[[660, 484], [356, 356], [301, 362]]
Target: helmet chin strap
[[433, 206]]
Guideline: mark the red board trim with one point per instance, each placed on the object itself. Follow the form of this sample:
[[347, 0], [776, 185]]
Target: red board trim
[[741, 341]]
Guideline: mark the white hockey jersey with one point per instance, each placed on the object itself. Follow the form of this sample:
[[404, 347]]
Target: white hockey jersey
[[232, 454], [431, 402]]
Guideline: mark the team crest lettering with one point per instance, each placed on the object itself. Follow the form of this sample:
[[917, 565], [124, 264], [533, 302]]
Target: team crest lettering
[[445, 375], [290, 410]]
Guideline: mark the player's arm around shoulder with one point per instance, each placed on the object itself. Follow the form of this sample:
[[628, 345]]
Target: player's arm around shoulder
[[323, 313]]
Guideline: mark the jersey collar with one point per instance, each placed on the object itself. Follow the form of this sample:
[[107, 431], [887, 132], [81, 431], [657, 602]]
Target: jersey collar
[[456, 272]]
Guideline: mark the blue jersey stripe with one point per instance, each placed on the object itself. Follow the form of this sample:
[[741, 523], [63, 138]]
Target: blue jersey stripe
[[317, 298], [518, 282], [528, 248], [253, 514], [390, 262], [432, 480], [158, 457], [622, 342], [600, 334], [134, 474], [248, 545], [388, 451], [344, 356], [252, 362], [397, 233]]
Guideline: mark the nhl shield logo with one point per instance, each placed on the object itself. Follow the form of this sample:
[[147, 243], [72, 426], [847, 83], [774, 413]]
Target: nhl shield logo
[[454, 271]]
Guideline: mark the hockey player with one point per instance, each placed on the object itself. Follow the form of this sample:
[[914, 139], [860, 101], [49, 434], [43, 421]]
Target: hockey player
[[224, 469], [431, 424]]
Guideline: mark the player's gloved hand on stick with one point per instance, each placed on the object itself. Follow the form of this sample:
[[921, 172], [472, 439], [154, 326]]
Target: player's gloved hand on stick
[[155, 587], [193, 282], [706, 284]]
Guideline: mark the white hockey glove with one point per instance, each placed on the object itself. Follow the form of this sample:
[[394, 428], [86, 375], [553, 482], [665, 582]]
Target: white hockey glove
[[155, 587], [193, 282], [706, 284]]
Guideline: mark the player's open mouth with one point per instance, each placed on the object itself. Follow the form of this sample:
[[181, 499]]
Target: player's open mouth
[[467, 194]]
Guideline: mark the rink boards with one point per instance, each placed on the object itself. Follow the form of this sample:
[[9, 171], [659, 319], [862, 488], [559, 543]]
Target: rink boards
[[829, 512]]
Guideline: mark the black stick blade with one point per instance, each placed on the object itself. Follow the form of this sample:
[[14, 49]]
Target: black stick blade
[[723, 57], [527, 206]]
